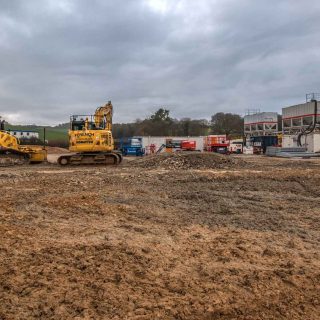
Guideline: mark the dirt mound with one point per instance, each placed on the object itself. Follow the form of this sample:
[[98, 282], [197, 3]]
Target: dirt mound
[[190, 160]]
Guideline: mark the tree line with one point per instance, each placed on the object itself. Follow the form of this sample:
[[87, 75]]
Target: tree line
[[161, 123]]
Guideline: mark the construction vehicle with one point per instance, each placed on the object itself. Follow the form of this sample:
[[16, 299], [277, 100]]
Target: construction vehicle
[[132, 147], [236, 146], [178, 145], [13, 153], [187, 145], [216, 143], [90, 139]]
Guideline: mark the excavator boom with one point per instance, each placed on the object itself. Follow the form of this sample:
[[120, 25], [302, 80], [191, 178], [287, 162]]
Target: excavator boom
[[103, 116]]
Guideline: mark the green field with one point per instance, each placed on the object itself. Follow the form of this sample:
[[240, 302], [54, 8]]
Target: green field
[[52, 133]]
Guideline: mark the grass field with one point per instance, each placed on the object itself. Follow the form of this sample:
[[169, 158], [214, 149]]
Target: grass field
[[52, 133]]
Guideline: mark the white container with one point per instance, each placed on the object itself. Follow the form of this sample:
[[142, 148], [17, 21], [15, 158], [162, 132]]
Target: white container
[[247, 150]]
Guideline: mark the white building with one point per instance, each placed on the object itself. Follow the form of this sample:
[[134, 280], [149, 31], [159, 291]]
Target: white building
[[298, 119], [261, 124], [24, 134]]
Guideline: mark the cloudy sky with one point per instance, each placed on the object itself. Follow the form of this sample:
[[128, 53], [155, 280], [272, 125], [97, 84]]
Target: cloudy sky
[[60, 57]]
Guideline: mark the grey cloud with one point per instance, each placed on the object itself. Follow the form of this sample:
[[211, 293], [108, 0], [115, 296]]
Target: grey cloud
[[197, 58]]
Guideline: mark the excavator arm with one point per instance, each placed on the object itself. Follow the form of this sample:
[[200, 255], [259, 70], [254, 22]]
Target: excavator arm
[[103, 116]]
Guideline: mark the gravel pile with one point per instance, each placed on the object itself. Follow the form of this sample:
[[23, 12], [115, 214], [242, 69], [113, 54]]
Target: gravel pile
[[188, 160]]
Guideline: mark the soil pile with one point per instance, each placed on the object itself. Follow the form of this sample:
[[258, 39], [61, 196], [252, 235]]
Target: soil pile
[[189, 160]]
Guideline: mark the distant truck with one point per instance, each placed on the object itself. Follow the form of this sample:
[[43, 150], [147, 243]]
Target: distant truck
[[236, 146]]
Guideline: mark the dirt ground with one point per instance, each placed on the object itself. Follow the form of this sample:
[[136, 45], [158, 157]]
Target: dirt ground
[[149, 242]]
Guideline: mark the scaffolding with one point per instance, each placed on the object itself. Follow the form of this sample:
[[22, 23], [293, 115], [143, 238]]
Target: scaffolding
[[250, 112], [312, 96]]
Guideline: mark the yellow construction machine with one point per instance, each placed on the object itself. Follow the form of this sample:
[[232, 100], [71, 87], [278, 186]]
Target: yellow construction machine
[[90, 139], [13, 153]]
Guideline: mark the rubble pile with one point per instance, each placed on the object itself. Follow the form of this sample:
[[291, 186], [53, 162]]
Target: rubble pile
[[188, 160]]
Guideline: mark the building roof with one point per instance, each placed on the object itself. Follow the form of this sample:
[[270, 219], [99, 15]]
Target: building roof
[[23, 131]]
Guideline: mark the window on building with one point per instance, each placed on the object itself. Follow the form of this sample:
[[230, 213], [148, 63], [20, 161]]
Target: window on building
[[287, 123], [270, 126], [253, 127], [14, 133], [247, 128], [28, 133], [307, 120], [260, 126], [297, 122]]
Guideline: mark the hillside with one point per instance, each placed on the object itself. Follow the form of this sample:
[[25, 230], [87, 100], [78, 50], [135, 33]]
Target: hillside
[[52, 133]]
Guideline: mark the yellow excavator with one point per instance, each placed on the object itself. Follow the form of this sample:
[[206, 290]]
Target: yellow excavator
[[13, 153], [90, 139]]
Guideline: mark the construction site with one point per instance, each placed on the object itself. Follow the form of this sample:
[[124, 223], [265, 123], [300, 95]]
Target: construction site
[[191, 229]]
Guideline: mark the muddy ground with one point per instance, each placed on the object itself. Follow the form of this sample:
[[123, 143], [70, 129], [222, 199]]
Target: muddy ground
[[154, 243]]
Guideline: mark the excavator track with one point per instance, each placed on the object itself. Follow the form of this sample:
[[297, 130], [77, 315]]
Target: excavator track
[[11, 157], [101, 158]]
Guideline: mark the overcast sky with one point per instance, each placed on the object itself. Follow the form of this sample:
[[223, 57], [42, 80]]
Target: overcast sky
[[60, 57]]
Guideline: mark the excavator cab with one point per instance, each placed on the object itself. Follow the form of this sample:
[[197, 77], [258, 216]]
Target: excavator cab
[[79, 122], [86, 122]]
